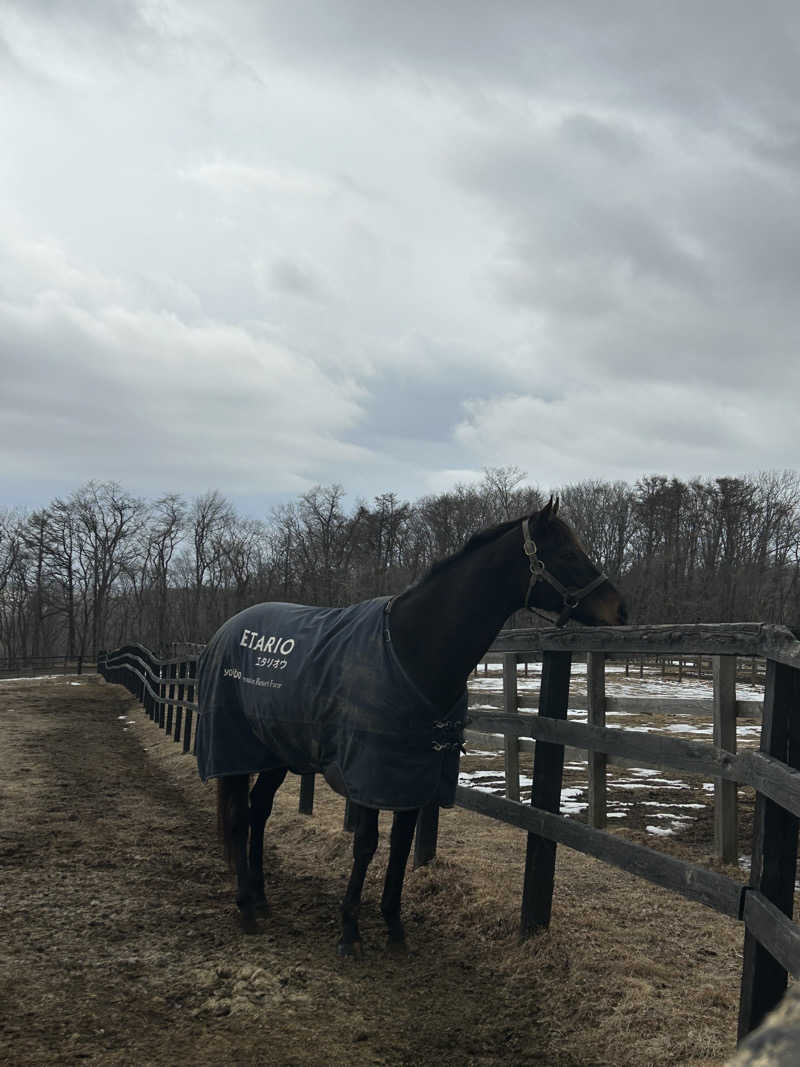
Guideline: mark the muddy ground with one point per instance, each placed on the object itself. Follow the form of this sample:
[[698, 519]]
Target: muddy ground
[[120, 944]]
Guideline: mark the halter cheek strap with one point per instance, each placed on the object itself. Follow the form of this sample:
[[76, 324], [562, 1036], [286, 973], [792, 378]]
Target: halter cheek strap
[[571, 597]]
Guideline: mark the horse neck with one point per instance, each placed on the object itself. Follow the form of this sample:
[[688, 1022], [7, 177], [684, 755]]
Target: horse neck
[[442, 627]]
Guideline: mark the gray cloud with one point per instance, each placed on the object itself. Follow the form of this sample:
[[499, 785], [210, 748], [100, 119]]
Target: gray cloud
[[291, 278], [386, 245]]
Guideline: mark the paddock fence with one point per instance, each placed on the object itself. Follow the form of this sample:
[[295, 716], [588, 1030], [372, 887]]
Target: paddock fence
[[764, 904], [721, 709], [13, 667]]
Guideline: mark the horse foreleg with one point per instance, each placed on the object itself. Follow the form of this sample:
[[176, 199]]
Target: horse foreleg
[[234, 824], [365, 842], [261, 797], [403, 825]]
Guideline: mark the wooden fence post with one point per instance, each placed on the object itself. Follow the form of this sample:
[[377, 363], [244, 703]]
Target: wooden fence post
[[510, 707], [774, 861], [171, 674], [187, 720], [161, 708], [548, 768], [598, 761], [182, 667], [725, 792]]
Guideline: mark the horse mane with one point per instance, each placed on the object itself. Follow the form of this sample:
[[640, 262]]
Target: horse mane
[[485, 537], [477, 540]]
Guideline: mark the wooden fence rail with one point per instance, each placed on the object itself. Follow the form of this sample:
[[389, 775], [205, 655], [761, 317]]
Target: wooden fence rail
[[764, 905], [165, 688], [498, 732], [748, 668]]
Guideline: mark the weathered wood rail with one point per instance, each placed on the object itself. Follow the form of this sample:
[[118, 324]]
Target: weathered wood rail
[[680, 668], [165, 688], [514, 736], [764, 904]]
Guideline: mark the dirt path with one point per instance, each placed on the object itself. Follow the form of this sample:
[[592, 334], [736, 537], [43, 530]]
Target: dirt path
[[120, 945]]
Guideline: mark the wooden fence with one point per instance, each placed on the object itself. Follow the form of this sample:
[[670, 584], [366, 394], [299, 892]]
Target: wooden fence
[[721, 709], [38, 666], [165, 688], [748, 668], [764, 905]]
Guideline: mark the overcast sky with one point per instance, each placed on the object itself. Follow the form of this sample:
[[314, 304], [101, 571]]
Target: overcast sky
[[256, 246]]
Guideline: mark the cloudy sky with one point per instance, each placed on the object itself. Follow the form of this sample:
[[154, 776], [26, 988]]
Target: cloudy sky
[[256, 246]]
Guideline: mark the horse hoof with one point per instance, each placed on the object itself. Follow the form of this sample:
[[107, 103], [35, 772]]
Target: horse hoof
[[350, 950], [396, 947], [248, 923]]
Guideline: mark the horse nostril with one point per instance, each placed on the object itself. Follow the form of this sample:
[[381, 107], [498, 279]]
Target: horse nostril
[[623, 615]]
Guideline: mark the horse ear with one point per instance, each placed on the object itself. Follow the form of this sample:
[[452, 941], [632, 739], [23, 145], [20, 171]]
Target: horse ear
[[555, 506], [547, 513]]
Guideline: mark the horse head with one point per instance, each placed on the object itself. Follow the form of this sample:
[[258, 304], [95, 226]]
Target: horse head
[[562, 577]]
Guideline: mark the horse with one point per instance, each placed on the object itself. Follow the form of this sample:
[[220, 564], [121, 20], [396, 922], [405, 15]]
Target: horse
[[374, 697]]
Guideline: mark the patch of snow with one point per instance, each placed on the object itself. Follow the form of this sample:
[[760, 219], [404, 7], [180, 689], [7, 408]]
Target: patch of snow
[[29, 677], [647, 785]]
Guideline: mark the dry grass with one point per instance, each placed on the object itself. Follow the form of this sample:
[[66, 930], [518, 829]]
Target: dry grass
[[628, 974]]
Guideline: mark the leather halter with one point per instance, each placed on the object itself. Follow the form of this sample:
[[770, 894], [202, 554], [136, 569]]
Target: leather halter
[[571, 597]]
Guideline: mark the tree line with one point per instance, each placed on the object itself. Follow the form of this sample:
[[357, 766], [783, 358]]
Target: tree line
[[103, 567]]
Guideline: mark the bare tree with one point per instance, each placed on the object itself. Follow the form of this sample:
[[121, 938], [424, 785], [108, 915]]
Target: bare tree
[[603, 516], [13, 583], [108, 519], [104, 566]]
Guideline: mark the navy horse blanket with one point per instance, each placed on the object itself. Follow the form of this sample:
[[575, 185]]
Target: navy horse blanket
[[322, 689]]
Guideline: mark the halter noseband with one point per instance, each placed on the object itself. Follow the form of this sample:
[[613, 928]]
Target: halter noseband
[[570, 597]]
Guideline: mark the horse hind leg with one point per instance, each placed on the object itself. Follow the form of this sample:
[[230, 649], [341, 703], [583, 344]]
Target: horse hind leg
[[403, 825], [234, 824], [262, 796], [365, 842]]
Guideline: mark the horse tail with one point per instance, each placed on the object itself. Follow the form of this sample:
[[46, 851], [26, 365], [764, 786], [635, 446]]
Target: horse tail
[[232, 811]]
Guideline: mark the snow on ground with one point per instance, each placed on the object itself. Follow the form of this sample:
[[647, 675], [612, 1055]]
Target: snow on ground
[[676, 808], [33, 678]]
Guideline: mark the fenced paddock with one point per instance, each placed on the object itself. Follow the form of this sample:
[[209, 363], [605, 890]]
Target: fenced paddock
[[764, 905], [509, 683], [13, 667]]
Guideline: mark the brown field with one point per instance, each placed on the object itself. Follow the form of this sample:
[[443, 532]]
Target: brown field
[[120, 943]]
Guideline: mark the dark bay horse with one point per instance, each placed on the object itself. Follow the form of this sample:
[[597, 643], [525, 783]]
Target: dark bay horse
[[284, 687]]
